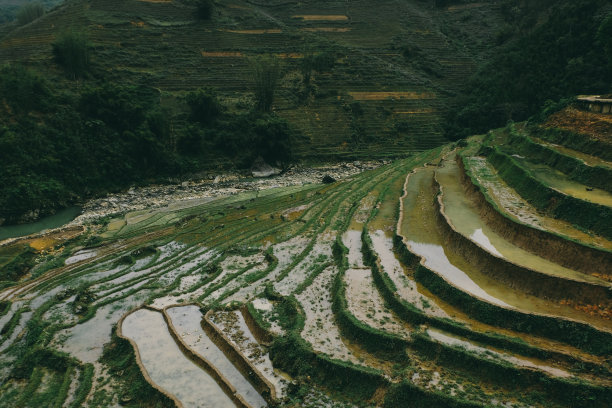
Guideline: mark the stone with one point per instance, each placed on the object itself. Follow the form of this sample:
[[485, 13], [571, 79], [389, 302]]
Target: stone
[[262, 169], [327, 179]]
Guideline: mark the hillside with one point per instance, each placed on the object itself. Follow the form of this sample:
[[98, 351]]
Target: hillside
[[351, 83], [476, 274], [400, 65]]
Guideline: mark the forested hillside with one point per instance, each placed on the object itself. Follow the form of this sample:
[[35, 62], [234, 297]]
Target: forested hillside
[[98, 95]]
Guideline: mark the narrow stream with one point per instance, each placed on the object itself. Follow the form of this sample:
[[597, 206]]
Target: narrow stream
[[53, 221]]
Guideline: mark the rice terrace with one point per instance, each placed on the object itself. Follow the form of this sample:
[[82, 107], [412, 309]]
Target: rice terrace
[[400, 203]]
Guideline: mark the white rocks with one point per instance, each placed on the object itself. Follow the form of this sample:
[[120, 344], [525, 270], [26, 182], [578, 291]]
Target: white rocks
[[156, 196]]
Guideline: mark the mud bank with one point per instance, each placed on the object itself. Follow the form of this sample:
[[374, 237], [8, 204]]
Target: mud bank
[[586, 214], [203, 362], [257, 379], [568, 253], [514, 276]]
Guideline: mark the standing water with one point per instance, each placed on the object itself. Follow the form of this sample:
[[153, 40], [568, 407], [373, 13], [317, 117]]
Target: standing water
[[53, 221], [168, 367]]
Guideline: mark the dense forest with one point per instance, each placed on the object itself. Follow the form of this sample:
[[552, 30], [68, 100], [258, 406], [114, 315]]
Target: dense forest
[[559, 49], [58, 146]]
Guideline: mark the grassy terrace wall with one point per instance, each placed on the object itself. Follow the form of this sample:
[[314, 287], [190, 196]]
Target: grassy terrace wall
[[526, 280], [296, 356], [373, 340], [576, 141], [575, 169], [574, 333], [455, 358], [242, 363], [595, 217], [554, 247], [118, 356]]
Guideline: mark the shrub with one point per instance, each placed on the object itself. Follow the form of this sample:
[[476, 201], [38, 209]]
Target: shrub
[[22, 89], [204, 105], [205, 9], [71, 51], [266, 73]]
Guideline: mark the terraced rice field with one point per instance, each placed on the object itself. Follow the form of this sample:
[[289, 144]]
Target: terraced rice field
[[442, 279], [380, 101]]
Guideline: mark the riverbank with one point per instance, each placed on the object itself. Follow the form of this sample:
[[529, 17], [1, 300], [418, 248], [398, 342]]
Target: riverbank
[[207, 187]]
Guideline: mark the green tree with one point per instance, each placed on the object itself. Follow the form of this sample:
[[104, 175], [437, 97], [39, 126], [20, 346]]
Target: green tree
[[316, 62], [266, 72], [22, 89], [273, 140], [205, 8], [204, 105], [604, 36], [29, 12], [71, 51]]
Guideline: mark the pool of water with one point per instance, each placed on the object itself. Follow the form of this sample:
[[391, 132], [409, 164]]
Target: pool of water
[[168, 367], [53, 221], [187, 320]]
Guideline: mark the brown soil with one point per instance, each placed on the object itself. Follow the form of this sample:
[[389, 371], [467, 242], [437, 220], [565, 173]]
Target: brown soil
[[221, 54], [381, 96], [327, 29], [317, 17], [596, 125], [262, 31]]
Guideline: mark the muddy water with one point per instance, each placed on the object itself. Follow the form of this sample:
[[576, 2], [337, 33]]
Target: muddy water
[[167, 365], [561, 182], [186, 321], [418, 225], [81, 256], [352, 240], [492, 354], [518, 209], [466, 219], [85, 341], [406, 287], [586, 158], [436, 260]]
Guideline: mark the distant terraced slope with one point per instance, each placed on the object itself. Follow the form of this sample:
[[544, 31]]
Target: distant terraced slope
[[396, 65], [465, 276]]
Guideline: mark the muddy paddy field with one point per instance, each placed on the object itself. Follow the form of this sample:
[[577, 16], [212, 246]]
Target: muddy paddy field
[[465, 276]]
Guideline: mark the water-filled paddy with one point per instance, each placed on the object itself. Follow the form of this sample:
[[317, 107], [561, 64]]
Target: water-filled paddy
[[167, 366]]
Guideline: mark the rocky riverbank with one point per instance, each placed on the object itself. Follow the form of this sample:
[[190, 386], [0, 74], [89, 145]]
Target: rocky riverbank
[[212, 186]]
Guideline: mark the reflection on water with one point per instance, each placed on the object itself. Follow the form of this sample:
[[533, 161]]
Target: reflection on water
[[53, 221], [465, 218], [436, 259], [479, 237], [167, 365], [186, 321]]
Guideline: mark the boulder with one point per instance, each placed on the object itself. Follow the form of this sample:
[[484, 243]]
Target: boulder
[[262, 169], [327, 179]]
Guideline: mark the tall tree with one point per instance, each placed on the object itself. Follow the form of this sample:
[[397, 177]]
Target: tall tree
[[266, 72]]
